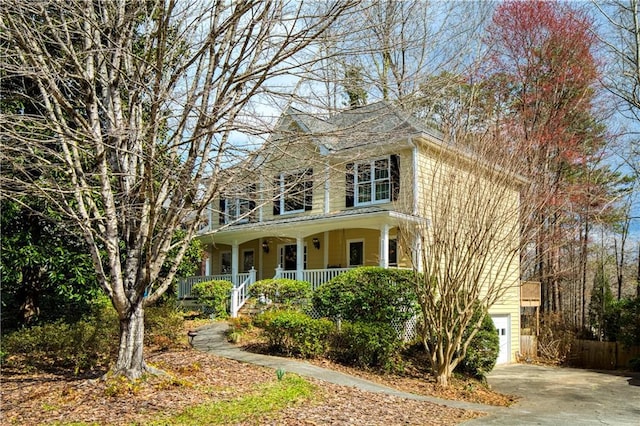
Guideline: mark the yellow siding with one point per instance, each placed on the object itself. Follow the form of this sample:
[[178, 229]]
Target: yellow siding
[[448, 183]]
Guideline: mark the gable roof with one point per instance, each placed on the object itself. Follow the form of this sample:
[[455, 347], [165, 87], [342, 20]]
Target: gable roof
[[378, 124], [368, 125]]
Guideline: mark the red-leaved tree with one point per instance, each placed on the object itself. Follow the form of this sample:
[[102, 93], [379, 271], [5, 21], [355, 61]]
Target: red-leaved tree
[[544, 72]]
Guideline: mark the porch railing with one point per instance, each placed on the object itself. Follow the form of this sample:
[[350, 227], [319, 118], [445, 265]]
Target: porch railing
[[186, 284], [316, 277], [241, 282]]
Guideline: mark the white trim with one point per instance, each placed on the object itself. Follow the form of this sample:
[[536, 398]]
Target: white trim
[[261, 253], [208, 263], [261, 206], [301, 250], [210, 217]]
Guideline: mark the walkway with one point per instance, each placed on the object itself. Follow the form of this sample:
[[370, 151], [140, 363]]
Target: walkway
[[211, 339], [551, 395]]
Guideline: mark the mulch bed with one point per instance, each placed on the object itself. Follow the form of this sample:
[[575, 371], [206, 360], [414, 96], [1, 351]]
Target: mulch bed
[[34, 398], [45, 398]]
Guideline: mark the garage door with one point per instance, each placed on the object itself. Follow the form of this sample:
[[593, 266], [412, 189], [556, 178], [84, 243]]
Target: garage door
[[502, 325]]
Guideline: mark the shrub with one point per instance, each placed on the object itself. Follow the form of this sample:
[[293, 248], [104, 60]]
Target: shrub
[[483, 349], [214, 295], [282, 290], [555, 339], [634, 364], [365, 344], [164, 326], [237, 328], [82, 345], [370, 294], [629, 317], [294, 333]]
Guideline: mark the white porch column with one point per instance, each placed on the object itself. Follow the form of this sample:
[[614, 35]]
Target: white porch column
[[261, 204], [208, 263], [210, 217], [417, 253], [384, 246], [327, 189], [299, 258], [234, 262]]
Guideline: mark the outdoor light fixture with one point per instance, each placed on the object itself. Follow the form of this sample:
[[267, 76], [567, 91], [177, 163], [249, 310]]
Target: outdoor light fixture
[[265, 246], [316, 243]]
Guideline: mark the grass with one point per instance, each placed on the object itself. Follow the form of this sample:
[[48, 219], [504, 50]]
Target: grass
[[265, 400]]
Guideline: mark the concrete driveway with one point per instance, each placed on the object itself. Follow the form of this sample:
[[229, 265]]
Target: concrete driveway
[[564, 396]]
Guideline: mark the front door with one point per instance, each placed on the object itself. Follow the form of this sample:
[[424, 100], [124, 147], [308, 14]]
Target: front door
[[289, 260], [502, 325], [289, 257], [248, 260], [356, 252]]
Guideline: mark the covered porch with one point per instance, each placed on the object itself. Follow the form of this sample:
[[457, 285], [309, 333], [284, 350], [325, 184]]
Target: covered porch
[[309, 248]]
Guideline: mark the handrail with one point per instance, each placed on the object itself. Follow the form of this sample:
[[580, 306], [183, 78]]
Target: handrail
[[240, 293]]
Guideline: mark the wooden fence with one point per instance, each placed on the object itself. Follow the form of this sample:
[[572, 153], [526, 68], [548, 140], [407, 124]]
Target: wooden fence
[[601, 355], [528, 346]]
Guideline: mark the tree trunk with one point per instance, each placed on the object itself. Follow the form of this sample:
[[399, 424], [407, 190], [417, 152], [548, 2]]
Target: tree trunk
[[130, 361], [443, 372], [638, 277]]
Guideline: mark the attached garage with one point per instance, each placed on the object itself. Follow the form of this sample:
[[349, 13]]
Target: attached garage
[[502, 323]]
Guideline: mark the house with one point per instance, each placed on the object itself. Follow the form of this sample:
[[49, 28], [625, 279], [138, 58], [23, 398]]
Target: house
[[332, 194]]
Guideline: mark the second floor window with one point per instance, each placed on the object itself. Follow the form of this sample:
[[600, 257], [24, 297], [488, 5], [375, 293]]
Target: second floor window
[[239, 209], [372, 181], [294, 192]]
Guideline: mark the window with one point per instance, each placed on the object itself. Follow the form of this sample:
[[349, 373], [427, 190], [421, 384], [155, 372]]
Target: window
[[294, 192], [225, 262], [393, 252], [356, 253], [372, 181], [238, 209]]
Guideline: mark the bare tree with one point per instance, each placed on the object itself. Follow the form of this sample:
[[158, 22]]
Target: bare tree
[[141, 104], [405, 42], [620, 36], [469, 243]]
